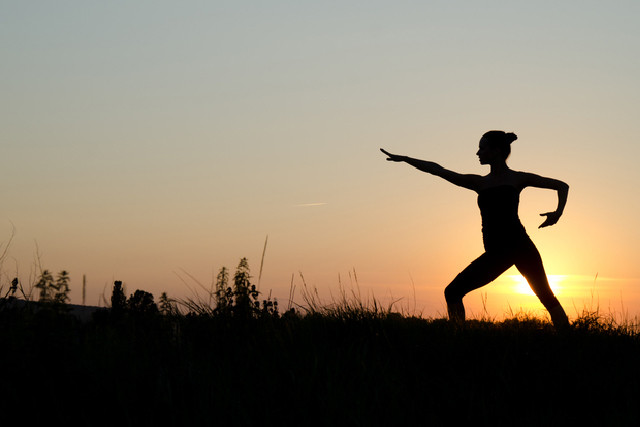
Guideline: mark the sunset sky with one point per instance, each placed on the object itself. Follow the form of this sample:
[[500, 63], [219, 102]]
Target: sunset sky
[[154, 142]]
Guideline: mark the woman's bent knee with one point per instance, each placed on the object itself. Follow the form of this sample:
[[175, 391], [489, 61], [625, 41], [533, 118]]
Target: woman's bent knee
[[452, 294]]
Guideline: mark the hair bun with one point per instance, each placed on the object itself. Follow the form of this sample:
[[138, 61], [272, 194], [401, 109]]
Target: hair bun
[[510, 137]]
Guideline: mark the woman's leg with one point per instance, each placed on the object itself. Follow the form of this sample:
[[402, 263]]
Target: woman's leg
[[529, 264], [483, 270]]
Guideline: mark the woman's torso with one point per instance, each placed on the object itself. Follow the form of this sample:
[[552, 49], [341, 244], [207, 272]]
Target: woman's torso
[[501, 226]]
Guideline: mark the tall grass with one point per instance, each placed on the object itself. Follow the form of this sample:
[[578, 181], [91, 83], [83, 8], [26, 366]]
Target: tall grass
[[347, 304], [350, 360]]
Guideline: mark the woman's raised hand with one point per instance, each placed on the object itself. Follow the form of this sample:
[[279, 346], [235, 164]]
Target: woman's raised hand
[[393, 157]]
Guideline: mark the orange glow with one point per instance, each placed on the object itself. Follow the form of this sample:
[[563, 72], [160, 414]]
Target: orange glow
[[521, 286]]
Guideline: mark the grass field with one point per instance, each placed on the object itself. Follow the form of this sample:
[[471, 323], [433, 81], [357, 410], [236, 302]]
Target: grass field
[[359, 367], [241, 361]]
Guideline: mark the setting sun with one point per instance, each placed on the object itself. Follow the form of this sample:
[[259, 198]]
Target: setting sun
[[522, 287]]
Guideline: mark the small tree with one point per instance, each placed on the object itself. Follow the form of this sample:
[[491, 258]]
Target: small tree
[[224, 294], [118, 300], [62, 288], [245, 294], [166, 305], [53, 291], [142, 302], [241, 299]]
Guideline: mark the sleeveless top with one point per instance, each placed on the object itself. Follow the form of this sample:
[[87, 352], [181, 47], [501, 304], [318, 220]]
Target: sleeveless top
[[501, 227]]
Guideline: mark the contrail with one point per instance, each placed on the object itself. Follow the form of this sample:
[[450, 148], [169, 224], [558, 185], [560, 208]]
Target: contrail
[[306, 205]]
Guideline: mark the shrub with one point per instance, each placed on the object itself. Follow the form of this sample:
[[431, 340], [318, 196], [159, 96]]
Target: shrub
[[53, 291]]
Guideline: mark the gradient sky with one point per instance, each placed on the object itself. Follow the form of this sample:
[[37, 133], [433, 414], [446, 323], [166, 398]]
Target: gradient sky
[[152, 141]]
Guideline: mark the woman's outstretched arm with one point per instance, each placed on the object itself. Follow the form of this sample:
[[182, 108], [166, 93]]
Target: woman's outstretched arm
[[469, 181], [532, 180]]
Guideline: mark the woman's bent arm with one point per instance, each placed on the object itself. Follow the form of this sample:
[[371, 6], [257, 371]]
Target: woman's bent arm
[[532, 180]]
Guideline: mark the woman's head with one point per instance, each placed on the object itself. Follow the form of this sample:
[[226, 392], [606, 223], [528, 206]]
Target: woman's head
[[495, 143]]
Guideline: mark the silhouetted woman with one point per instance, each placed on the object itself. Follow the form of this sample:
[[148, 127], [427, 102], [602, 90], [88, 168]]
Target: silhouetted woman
[[505, 240]]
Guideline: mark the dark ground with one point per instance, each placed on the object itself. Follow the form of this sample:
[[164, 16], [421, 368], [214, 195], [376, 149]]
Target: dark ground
[[358, 369]]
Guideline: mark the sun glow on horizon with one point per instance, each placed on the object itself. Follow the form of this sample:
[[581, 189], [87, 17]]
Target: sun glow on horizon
[[521, 286]]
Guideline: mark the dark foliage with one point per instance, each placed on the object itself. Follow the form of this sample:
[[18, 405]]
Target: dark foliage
[[242, 363], [141, 302], [313, 370], [242, 299], [54, 291], [118, 300]]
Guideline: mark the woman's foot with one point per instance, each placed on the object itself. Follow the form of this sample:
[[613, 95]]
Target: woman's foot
[[456, 312], [559, 318]]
